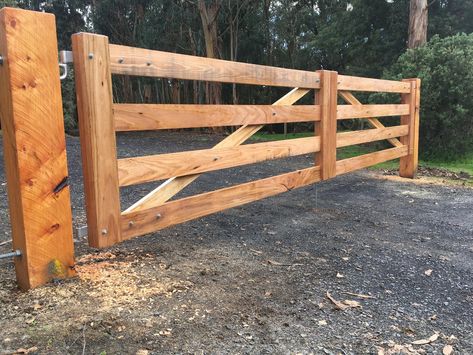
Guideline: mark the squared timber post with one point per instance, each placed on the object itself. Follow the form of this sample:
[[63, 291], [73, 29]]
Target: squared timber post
[[97, 136], [408, 164], [35, 147], [327, 127]]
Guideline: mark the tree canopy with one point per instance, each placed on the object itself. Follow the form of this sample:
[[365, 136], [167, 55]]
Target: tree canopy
[[354, 37]]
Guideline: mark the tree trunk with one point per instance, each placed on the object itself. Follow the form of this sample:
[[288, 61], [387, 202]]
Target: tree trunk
[[418, 16], [208, 16]]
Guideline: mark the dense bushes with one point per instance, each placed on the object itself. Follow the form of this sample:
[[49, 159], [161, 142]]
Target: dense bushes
[[446, 69]]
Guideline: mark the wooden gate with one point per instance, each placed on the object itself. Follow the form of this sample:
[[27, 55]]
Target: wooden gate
[[96, 60]]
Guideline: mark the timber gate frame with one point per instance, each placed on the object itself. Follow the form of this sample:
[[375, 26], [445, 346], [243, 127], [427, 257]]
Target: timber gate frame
[[35, 150], [95, 61]]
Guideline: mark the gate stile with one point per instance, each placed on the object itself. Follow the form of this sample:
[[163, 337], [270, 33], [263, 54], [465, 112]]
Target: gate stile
[[96, 60]]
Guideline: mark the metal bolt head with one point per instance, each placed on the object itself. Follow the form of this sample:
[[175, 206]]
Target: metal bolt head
[[121, 60], [148, 63], [91, 55], [158, 216], [130, 224], [104, 231], [1, 59]]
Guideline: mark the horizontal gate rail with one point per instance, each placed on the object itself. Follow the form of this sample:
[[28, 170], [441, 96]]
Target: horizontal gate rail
[[145, 169], [141, 222], [142, 117], [345, 112], [96, 61], [144, 62], [367, 160], [137, 117], [171, 187]]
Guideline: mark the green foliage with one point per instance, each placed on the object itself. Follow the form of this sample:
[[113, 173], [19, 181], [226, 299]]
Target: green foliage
[[357, 37], [8, 3], [446, 69]]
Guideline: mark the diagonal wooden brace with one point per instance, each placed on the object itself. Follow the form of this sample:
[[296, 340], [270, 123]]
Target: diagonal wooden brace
[[172, 186], [374, 122]]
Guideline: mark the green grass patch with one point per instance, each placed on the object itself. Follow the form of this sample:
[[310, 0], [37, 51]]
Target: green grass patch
[[465, 164], [263, 136]]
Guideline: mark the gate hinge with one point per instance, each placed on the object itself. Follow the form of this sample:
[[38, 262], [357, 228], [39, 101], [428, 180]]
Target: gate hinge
[[65, 57]]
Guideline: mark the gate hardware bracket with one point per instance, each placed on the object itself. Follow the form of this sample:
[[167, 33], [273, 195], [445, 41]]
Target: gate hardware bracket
[[13, 254], [65, 57]]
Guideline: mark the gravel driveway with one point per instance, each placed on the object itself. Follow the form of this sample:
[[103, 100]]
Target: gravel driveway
[[256, 279]]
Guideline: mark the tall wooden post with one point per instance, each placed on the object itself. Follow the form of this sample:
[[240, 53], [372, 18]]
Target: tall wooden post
[[34, 147], [97, 135], [327, 127], [408, 164]]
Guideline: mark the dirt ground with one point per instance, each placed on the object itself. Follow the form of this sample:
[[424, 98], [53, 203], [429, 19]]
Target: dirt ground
[[395, 257]]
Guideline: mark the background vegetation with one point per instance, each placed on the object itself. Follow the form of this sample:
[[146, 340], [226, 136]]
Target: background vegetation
[[358, 37]]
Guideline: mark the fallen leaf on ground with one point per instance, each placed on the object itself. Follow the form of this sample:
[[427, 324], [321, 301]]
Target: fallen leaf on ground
[[340, 276], [322, 322], [275, 263], [395, 349], [343, 304], [351, 303], [433, 338], [428, 272], [359, 295], [447, 350], [27, 351], [345, 258]]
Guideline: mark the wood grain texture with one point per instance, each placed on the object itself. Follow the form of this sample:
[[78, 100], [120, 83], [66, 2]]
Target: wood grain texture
[[366, 111], [327, 126], [373, 122], [171, 187], [145, 62], [141, 222], [363, 161], [356, 83], [139, 170], [156, 167], [345, 139], [34, 147], [138, 117], [97, 134], [408, 164]]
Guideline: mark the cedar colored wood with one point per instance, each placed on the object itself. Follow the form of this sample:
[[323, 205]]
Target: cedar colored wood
[[97, 134], [140, 170], [142, 117], [34, 140], [155, 211], [35, 147]]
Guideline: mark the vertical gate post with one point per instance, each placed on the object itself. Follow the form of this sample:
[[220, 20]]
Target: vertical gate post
[[408, 164], [97, 135], [34, 147], [327, 127]]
